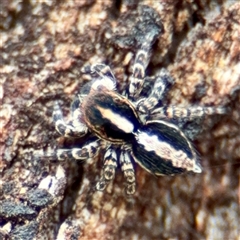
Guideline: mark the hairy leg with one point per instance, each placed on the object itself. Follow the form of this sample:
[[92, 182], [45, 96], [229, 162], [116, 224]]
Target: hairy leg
[[109, 167], [75, 128], [128, 172], [162, 82], [188, 114]]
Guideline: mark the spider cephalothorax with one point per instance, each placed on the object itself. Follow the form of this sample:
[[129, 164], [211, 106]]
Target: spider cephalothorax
[[132, 128]]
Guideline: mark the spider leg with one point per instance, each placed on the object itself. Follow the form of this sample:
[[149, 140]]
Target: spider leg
[[128, 171], [188, 114], [109, 168], [75, 128], [87, 151], [139, 67], [163, 81]]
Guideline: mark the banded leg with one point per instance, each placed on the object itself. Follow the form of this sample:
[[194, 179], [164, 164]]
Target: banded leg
[[109, 168], [188, 113], [139, 67], [151, 30], [87, 151], [163, 81], [76, 128], [128, 172]]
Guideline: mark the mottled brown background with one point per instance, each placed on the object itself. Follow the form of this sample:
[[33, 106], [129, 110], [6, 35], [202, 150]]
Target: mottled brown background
[[44, 45]]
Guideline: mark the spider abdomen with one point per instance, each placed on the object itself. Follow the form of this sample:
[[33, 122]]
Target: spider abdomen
[[162, 149]]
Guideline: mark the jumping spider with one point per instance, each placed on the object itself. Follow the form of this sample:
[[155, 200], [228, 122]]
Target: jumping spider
[[132, 127]]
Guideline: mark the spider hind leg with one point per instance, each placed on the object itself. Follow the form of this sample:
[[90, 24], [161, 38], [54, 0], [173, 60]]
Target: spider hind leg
[[186, 113]]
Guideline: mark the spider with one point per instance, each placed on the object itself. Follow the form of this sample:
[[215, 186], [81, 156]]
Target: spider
[[134, 126], [129, 130]]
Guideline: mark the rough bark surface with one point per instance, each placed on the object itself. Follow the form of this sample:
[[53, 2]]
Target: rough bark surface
[[44, 46]]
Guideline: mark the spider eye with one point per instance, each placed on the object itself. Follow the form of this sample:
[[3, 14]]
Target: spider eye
[[162, 149]]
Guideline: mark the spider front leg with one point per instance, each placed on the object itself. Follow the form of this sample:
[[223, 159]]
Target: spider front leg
[[187, 114], [128, 171], [139, 67], [151, 31], [75, 128], [162, 82], [109, 168]]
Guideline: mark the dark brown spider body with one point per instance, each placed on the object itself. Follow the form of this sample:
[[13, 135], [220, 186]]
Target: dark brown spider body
[[110, 115]]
